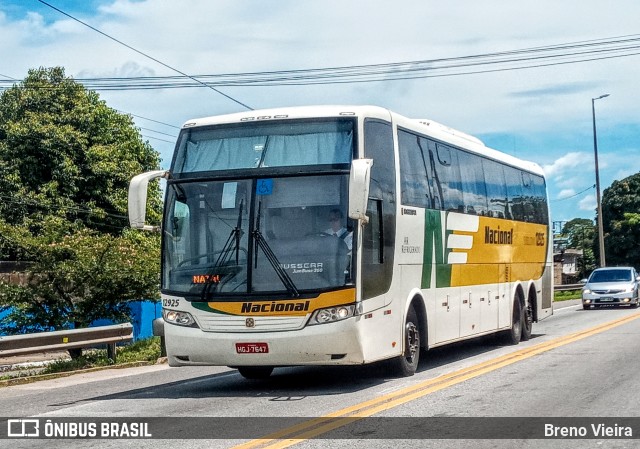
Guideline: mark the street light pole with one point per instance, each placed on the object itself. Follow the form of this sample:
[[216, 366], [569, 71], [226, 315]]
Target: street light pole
[[598, 200]]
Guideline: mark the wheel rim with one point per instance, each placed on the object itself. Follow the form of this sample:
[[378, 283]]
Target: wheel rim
[[413, 341], [528, 317]]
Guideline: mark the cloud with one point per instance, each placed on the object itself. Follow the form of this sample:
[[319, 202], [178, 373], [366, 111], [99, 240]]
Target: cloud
[[566, 193], [128, 69], [568, 161], [557, 90], [588, 203], [548, 108]]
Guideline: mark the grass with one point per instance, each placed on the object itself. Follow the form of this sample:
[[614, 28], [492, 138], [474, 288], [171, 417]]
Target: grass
[[147, 350], [567, 294]]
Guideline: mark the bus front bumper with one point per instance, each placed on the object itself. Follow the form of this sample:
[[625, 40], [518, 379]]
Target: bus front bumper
[[324, 344]]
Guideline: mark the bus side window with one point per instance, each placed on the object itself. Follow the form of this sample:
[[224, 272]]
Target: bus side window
[[448, 174], [373, 247]]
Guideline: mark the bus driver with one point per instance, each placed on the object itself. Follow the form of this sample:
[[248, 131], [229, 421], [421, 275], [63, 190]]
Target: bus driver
[[336, 228]]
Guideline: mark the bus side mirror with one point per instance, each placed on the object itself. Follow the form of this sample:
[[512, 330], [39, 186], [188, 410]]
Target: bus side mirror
[[137, 202], [359, 188]]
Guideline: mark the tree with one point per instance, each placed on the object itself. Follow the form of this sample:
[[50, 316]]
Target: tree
[[66, 160], [65, 153], [580, 234], [79, 278], [621, 218]]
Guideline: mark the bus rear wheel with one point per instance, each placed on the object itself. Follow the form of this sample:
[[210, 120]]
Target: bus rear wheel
[[527, 322], [407, 364], [514, 334], [255, 372]]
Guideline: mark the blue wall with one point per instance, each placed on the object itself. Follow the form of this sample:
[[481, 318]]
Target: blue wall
[[142, 315]]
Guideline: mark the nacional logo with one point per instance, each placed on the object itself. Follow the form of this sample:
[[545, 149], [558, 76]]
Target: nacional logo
[[274, 307], [498, 236]]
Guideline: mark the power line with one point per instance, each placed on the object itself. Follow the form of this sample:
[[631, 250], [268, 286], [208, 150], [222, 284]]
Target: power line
[[535, 57], [573, 196], [158, 138], [150, 119], [8, 77], [159, 132], [67, 208], [145, 55]]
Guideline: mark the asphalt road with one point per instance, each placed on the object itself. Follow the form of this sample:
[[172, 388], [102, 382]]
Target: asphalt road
[[581, 364]]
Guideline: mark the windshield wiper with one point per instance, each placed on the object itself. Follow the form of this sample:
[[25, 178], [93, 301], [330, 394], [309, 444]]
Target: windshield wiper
[[232, 243], [272, 258]]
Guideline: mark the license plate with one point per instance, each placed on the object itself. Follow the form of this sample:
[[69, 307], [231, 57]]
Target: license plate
[[252, 348], [606, 299]]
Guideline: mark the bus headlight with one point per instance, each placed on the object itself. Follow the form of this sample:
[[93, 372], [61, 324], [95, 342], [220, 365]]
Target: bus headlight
[[332, 314], [179, 318]]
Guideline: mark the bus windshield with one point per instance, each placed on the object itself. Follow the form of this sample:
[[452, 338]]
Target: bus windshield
[[271, 235], [258, 145]]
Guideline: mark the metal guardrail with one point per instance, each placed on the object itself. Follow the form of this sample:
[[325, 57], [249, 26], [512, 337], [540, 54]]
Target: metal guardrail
[[68, 339], [566, 287]]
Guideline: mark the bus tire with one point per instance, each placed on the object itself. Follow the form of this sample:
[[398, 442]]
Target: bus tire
[[255, 372], [527, 322], [514, 334], [407, 364]]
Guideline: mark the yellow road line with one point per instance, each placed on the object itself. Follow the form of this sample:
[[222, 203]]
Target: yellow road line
[[314, 427]]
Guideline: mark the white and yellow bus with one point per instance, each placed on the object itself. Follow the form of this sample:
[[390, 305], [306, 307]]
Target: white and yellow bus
[[440, 239]]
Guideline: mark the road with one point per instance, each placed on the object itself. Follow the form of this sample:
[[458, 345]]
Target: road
[[578, 364]]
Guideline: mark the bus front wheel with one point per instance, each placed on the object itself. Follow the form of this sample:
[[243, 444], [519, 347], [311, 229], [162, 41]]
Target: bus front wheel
[[407, 364]]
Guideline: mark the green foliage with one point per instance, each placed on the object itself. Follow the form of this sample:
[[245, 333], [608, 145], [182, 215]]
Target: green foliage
[[66, 160], [65, 153], [581, 233], [621, 217], [80, 277]]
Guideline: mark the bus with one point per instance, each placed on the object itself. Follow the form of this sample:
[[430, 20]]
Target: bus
[[442, 239]]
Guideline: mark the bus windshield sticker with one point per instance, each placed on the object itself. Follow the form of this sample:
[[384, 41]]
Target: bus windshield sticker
[[229, 190], [264, 187]]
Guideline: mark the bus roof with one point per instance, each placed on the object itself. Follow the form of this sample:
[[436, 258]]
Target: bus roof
[[425, 127]]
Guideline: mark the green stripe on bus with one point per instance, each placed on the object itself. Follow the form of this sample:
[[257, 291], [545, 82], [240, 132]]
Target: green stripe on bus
[[435, 253]]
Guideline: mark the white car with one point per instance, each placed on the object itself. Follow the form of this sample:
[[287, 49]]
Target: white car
[[611, 286]]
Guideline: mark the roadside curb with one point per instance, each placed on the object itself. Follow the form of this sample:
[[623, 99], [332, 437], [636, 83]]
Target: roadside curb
[[39, 377]]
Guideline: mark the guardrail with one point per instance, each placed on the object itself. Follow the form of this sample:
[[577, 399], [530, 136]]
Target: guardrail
[[565, 287], [68, 339]]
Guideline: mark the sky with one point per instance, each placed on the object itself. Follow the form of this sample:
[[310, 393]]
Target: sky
[[542, 114]]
